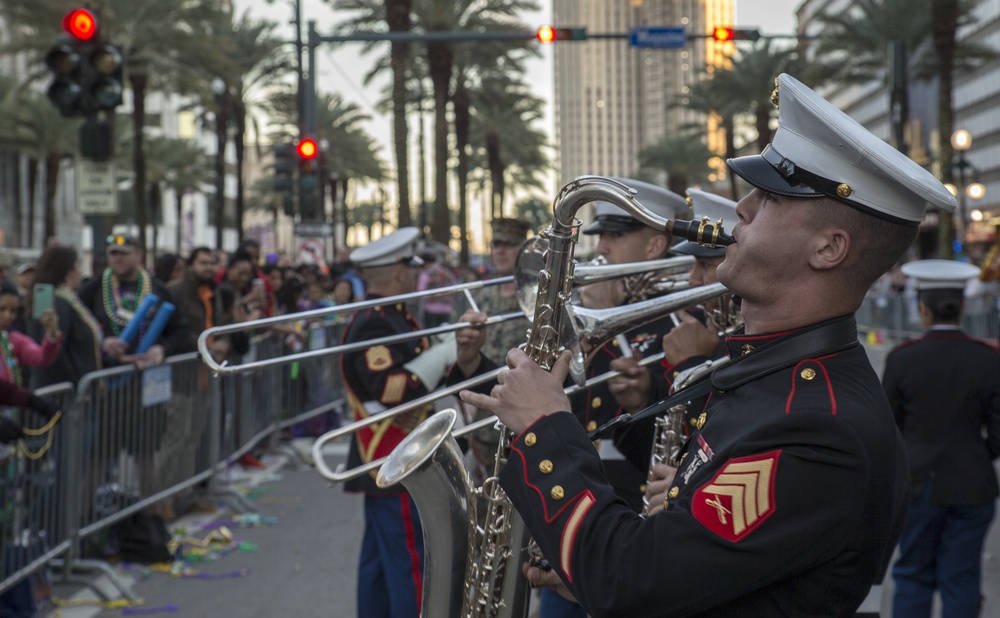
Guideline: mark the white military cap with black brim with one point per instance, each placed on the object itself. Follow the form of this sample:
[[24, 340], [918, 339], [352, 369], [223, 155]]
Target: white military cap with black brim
[[819, 150], [661, 202], [396, 248], [940, 274], [716, 208]]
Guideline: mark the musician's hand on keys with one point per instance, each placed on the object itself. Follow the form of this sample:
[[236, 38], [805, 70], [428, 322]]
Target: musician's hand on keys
[[661, 477], [540, 578], [689, 338], [631, 388], [469, 342], [525, 392]]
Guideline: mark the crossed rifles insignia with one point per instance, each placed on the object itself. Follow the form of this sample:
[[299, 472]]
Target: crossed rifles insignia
[[739, 497]]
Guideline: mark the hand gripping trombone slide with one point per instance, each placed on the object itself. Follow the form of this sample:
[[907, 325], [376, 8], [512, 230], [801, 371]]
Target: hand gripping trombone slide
[[461, 580]]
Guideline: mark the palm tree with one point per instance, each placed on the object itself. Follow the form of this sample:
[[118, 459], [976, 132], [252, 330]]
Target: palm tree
[[160, 41], [450, 15], [258, 65], [751, 81], [718, 95], [684, 159], [397, 15], [509, 146], [858, 45], [180, 165], [31, 125]]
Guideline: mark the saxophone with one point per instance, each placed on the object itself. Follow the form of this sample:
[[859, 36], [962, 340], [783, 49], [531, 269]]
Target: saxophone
[[428, 463]]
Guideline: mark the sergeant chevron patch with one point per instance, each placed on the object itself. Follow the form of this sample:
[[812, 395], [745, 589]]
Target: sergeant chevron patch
[[739, 498], [378, 358]]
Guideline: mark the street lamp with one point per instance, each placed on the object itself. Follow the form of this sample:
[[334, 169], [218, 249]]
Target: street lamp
[[220, 91], [961, 141]]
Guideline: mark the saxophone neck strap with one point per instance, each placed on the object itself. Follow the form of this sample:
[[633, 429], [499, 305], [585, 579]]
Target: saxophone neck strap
[[821, 339]]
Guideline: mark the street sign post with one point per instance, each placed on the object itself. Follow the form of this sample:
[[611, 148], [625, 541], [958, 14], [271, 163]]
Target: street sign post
[[310, 251], [313, 228], [96, 190], [664, 37]]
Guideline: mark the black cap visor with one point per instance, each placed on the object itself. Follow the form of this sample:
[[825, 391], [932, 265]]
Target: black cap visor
[[692, 248], [756, 170], [613, 223]]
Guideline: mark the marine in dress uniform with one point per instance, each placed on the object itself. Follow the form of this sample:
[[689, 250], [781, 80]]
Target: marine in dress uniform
[[379, 378], [689, 345], [944, 390], [508, 236], [790, 498], [596, 405]]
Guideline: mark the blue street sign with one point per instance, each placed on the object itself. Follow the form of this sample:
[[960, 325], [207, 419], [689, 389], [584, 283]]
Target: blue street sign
[[662, 36]]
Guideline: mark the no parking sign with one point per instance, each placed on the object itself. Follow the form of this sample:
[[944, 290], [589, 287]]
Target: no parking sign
[[310, 251]]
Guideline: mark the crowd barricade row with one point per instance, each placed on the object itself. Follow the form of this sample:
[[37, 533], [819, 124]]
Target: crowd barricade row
[[890, 319], [128, 439]]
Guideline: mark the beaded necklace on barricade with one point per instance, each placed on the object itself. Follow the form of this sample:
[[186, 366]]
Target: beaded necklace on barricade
[[10, 360]]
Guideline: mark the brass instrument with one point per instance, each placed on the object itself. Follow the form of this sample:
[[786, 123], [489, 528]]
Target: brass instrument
[[494, 585]]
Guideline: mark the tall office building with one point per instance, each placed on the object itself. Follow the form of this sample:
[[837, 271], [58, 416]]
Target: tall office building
[[612, 100]]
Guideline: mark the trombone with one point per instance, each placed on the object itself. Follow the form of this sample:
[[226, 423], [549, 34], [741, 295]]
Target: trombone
[[584, 275], [342, 475], [587, 325]]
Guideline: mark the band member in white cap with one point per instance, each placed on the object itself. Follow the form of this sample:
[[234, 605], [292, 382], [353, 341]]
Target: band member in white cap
[[790, 498], [378, 378], [944, 390]]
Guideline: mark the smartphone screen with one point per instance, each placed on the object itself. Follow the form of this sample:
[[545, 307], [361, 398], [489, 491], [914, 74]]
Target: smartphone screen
[[41, 300]]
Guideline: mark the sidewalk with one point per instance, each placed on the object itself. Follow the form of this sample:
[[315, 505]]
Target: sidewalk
[[282, 541]]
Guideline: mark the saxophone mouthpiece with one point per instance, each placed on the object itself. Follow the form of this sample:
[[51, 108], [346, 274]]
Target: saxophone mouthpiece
[[703, 232]]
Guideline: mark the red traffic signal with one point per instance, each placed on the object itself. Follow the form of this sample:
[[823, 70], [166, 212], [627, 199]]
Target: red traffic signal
[[80, 24], [548, 34], [725, 33], [307, 148]]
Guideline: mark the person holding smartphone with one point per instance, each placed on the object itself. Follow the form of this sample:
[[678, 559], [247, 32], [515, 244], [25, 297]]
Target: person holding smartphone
[[17, 349]]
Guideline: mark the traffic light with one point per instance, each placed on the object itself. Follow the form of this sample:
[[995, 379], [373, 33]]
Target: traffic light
[[310, 188], [87, 74], [548, 34], [284, 168], [725, 33]]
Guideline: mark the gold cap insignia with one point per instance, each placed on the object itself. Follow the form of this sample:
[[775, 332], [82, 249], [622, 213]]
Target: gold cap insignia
[[545, 466], [808, 373], [844, 190], [774, 94], [557, 492], [530, 439]]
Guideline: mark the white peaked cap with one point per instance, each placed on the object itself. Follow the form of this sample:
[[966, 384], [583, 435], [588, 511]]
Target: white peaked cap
[[819, 150], [400, 246], [661, 202], [940, 274]]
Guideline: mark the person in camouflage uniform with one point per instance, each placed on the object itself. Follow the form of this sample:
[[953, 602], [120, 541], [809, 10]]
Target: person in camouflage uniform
[[484, 353]]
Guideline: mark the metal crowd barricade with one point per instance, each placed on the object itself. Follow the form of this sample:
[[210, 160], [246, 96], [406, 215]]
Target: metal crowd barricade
[[894, 318], [31, 526]]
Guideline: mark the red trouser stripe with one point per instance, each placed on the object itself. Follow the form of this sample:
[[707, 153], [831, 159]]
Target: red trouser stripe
[[411, 546]]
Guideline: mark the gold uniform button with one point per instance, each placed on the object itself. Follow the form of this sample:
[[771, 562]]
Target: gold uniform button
[[530, 439], [592, 425], [844, 190], [557, 492], [808, 373], [642, 488], [545, 466], [418, 350], [596, 403], [701, 421], [673, 492]]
